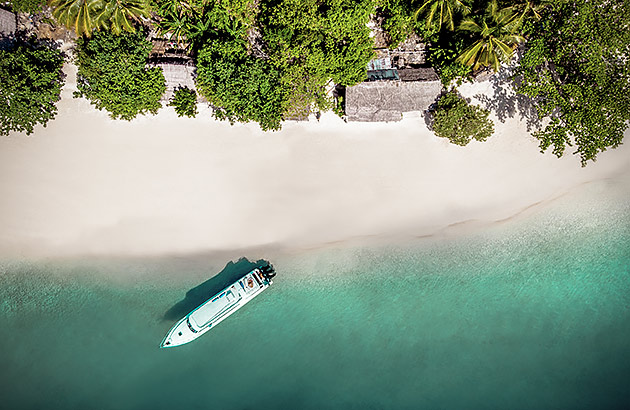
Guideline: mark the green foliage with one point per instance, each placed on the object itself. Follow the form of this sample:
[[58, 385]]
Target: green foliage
[[185, 102], [79, 15], [443, 53], [298, 48], [198, 20], [84, 16], [577, 69], [435, 13], [338, 107], [455, 119], [240, 87], [113, 76], [527, 12], [313, 41], [27, 6], [30, 85], [398, 21], [496, 37], [327, 38], [119, 15]]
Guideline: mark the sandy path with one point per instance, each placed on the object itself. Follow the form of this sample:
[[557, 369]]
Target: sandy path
[[159, 184]]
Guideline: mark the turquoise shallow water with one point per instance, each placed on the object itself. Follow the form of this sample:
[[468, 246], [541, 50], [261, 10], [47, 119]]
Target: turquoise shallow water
[[529, 314]]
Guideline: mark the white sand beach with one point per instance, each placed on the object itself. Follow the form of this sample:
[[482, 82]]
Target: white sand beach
[[86, 184]]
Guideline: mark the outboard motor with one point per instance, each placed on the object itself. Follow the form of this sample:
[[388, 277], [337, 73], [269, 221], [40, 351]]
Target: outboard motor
[[268, 271]]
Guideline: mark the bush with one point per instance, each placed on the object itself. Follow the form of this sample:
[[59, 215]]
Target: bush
[[27, 6], [240, 87], [185, 102], [30, 84], [455, 119], [113, 76]]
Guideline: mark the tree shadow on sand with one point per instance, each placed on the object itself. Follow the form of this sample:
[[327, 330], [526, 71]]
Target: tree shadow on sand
[[506, 103], [199, 294]]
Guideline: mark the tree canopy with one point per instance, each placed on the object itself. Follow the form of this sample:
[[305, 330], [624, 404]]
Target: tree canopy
[[30, 84], [84, 16], [576, 67], [312, 42], [436, 13], [460, 122], [240, 87], [496, 36], [269, 60], [113, 76]]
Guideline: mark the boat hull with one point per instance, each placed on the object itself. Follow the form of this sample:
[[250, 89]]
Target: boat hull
[[216, 309]]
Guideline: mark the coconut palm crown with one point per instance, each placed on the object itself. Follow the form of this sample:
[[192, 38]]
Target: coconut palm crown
[[119, 15], [438, 12], [84, 16], [496, 35], [79, 15]]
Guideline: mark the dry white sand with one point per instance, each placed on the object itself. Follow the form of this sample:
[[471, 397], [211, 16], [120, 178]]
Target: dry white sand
[[162, 184]]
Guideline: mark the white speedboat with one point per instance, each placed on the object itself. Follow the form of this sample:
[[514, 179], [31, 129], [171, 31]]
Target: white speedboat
[[220, 306]]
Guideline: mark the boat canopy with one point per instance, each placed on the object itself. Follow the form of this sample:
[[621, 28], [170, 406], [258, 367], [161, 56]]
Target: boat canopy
[[211, 309]]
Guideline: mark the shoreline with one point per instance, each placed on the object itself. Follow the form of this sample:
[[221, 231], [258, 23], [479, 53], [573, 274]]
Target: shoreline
[[88, 185]]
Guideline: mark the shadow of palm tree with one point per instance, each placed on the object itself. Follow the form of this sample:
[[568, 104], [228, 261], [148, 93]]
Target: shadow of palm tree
[[506, 103], [199, 294]]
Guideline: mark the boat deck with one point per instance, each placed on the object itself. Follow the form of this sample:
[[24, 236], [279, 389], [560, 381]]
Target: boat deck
[[225, 301]]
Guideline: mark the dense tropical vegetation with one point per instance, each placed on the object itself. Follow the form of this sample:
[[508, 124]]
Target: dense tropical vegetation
[[30, 84], [576, 67], [113, 74], [270, 60], [84, 16], [496, 36]]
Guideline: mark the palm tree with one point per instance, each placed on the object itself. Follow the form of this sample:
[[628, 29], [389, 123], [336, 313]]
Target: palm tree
[[179, 18], [533, 7], [119, 15], [444, 10], [86, 15], [525, 8], [81, 15], [496, 38]]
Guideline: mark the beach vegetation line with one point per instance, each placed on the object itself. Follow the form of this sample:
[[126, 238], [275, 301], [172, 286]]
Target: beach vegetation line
[[268, 61]]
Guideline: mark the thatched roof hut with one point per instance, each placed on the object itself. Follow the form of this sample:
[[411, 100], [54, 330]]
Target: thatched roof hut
[[418, 74], [388, 100]]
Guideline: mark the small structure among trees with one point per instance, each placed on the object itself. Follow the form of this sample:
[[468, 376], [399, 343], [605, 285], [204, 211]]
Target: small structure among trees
[[173, 57], [399, 80], [8, 23], [387, 100]]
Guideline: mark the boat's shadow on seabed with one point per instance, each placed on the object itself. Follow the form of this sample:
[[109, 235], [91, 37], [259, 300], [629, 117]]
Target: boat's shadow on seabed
[[199, 294]]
